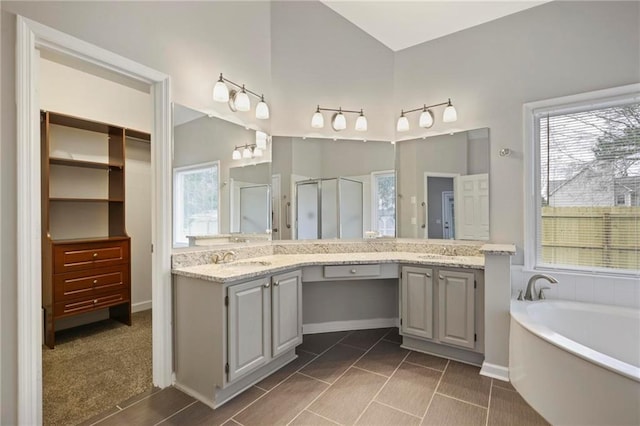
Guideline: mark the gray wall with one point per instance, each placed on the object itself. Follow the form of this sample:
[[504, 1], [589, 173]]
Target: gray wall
[[489, 71]]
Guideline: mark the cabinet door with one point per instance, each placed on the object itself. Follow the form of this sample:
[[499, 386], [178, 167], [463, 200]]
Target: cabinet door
[[417, 302], [248, 327], [286, 303], [456, 325]]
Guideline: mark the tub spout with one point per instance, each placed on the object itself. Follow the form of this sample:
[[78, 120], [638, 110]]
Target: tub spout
[[529, 294]]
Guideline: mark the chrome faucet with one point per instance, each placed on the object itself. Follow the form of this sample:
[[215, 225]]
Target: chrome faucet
[[530, 292]]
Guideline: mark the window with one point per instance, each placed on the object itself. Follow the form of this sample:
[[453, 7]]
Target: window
[[196, 197], [383, 207], [587, 168]]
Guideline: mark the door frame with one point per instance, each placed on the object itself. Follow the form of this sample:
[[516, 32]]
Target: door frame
[[426, 195], [32, 36], [447, 200]]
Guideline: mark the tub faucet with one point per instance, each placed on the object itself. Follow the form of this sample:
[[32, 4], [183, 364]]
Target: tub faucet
[[529, 294]]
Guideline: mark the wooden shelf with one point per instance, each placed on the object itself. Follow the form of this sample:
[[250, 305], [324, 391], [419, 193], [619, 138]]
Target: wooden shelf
[[89, 240], [84, 164], [87, 200]]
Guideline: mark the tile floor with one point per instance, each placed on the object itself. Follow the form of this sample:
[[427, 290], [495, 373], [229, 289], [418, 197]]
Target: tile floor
[[360, 377]]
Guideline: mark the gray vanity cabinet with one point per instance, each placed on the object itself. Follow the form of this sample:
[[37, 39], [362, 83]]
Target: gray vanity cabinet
[[286, 316], [456, 313], [417, 302], [249, 326], [439, 305]]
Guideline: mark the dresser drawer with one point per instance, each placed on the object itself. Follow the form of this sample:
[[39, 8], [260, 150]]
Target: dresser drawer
[[91, 282], [73, 307], [76, 257], [350, 271]]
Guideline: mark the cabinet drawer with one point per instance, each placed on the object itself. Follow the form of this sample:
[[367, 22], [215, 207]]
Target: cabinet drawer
[[85, 305], [88, 283], [349, 271], [75, 257]]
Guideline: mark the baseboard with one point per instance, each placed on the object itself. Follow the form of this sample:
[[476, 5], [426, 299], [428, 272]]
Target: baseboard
[[495, 371], [326, 327], [141, 306]]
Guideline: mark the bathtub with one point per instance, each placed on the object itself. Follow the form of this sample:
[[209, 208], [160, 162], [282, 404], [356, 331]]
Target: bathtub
[[577, 363]]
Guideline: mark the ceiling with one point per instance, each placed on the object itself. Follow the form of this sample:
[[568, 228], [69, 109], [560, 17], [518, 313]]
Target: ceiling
[[402, 24]]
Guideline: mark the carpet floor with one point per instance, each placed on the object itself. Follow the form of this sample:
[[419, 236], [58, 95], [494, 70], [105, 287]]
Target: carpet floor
[[95, 366]]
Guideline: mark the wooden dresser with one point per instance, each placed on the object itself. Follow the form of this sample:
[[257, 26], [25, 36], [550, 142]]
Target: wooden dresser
[[86, 252]]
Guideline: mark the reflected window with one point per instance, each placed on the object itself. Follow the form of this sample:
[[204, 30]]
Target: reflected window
[[196, 195], [383, 215]]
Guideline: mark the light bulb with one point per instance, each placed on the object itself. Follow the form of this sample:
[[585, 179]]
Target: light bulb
[[246, 152], [361, 123], [339, 121], [242, 101], [449, 115], [261, 139], [317, 121], [403, 124], [257, 152], [262, 109], [236, 154], [220, 91], [426, 119]]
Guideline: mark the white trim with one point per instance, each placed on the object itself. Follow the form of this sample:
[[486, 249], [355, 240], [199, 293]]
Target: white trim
[[141, 306], [495, 371], [32, 36], [366, 324], [531, 188]]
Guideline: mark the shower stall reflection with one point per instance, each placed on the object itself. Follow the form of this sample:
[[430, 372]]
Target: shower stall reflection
[[329, 208]]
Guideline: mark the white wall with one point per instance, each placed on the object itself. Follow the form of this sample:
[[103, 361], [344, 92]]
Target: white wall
[[489, 71], [71, 91]]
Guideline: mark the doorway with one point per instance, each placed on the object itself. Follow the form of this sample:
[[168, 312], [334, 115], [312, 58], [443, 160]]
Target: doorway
[[32, 37], [438, 206]]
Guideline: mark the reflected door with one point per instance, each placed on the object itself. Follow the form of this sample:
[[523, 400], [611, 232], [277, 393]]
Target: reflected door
[[254, 209], [307, 210], [351, 214], [472, 207], [329, 221]]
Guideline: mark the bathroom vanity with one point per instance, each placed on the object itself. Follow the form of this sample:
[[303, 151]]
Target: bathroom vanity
[[238, 322]]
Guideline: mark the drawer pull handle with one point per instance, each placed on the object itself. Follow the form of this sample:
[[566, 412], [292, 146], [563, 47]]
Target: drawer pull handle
[[441, 277], [276, 283], [428, 275], [95, 255], [266, 285], [353, 271], [95, 301], [95, 281]]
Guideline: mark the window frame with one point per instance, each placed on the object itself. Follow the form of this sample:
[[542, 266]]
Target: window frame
[[374, 198], [177, 193], [532, 207]]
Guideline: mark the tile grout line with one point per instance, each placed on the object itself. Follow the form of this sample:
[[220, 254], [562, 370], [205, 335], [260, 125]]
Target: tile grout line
[[369, 371], [314, 378], [489, 403], [395, 408], [435, 391], [266, 390], [182, 409], [382, 387], [424, 366], [319, 415], [338, 378], [461, 400], [127, 407], [316, 356]]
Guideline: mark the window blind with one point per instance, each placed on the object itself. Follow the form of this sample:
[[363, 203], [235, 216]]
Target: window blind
[[590, 188]]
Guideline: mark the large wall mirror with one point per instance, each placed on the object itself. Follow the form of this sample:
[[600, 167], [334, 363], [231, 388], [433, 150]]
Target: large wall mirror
[[333, 188], [443, 186], [221, 181]]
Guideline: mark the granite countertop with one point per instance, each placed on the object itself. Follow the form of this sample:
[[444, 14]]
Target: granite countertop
[[264, 265]]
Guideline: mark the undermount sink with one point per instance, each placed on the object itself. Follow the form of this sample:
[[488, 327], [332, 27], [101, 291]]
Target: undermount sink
[[245, 263]]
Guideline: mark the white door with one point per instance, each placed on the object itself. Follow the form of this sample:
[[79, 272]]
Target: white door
[[254, 209], [472, 207], [286, 312], [248, 327]]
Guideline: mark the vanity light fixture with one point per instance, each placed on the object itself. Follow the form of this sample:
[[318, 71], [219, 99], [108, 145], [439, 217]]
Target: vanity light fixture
[[338, 120], [247, 151], [238, 100], [426, 117]]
